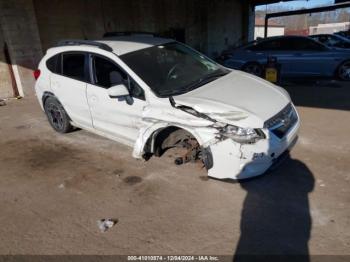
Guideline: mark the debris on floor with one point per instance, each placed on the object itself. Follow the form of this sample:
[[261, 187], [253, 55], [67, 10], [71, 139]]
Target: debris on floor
[[132, 180], [106, 223], [2, 102]]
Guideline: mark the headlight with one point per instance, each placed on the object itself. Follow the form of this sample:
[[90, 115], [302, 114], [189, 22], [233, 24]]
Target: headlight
[[242, 135]]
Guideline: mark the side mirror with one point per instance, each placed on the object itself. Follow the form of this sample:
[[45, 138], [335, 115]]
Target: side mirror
[[118, 91]]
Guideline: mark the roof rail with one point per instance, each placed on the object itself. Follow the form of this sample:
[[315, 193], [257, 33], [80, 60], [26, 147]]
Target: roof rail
[[127, 33], [70, 42]]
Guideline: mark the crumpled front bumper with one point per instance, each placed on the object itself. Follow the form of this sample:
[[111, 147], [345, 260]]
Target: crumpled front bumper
[[232, 160]]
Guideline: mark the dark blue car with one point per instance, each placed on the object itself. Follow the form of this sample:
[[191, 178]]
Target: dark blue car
[[334, 40], [298, 56]]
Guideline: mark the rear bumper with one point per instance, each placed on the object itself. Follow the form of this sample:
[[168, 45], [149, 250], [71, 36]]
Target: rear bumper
[[232, 160]]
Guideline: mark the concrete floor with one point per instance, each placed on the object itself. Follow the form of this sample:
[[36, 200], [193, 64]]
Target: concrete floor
[[55, 187]]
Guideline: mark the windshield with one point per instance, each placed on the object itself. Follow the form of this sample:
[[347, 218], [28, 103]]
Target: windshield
[[173, 68]]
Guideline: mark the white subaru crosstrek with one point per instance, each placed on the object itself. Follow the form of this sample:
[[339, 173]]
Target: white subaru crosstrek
[[154, 94]]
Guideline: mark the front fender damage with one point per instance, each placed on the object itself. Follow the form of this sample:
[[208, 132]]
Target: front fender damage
[[204, 128]]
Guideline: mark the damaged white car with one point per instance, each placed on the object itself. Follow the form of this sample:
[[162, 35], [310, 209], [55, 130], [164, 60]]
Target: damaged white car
[[154, 94]]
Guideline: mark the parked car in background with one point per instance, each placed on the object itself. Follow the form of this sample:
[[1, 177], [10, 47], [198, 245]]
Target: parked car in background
[[332, 40], [155, 93], [298, 56], [345, 34]]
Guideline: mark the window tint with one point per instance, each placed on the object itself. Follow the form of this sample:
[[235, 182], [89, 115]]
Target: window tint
[[135, 90], [322, 39], [304, 44], [288, 44], [172, 68], [108, 74], [52, 64], [74, 66], [272, 45]]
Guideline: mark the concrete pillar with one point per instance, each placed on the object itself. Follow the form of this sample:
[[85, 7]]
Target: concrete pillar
[[249, 21], [225, 25], [6, 89], [20, 32]]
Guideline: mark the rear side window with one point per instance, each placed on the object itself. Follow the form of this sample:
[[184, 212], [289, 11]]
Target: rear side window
[[304, 44], [271, 45], [74, 66], [53, 64]]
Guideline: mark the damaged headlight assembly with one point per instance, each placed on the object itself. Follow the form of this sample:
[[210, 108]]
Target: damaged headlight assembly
[[238, 134], [242, 135]]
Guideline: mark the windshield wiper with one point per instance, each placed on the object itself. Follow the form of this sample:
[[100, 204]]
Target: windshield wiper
[[203, 80], [200, 82]]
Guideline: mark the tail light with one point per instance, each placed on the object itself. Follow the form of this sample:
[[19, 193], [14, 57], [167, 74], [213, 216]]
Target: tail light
[[36, 74]]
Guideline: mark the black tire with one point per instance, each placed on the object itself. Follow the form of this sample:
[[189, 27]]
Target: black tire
[[253, 68], [57, 116], [343, 71]]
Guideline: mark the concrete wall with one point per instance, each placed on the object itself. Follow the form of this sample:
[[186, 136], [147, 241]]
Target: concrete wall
[[5, 74], [31, 26], [225, 25], [210, 26], [20, 32]]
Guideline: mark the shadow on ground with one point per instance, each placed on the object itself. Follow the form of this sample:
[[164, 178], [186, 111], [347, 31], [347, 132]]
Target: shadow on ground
[[276, 218], [320, 93]]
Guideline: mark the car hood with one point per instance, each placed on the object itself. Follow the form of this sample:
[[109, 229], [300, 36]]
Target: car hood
[[237, 98]]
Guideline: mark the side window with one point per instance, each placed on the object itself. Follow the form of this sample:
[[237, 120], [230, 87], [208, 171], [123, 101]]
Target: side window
[[333, 41], [323, 39], [107, 74], [54, 64], [257, 47], [305, 45], [271, 45], [135, 90], [74, 66]]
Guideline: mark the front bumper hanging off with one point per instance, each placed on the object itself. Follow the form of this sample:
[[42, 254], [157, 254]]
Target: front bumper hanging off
[[233, 160]]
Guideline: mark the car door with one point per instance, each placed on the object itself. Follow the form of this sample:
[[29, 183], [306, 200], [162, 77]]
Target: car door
[[117, 117], [69, 84], [280, 48], [309, 58], [274, 48]]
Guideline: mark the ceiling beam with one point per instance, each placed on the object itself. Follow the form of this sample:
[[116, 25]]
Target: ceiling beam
[[265, 2]]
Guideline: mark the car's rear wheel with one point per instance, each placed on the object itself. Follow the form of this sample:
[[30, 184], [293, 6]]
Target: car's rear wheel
[[253, 68], [343, 71], [57, 116]]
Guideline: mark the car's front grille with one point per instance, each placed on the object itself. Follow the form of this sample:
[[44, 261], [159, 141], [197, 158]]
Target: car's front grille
[[282, 122]]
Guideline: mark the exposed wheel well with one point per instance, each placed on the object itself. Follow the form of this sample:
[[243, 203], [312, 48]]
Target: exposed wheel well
[[163, 139], [172, 136]]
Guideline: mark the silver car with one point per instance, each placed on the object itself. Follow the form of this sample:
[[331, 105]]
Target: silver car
[[298, 56]]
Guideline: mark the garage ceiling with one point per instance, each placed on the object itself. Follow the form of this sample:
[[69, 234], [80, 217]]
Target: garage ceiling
[[264, 2]]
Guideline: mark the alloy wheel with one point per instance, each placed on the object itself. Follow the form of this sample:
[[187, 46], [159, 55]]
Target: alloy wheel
[[55, 116], [344, 71]]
